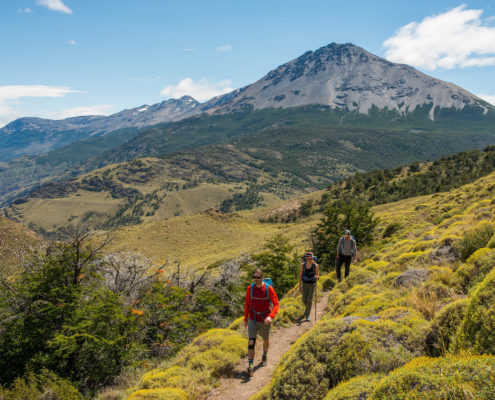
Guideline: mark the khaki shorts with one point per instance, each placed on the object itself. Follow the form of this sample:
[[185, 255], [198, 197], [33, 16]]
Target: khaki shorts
[[255, 327]]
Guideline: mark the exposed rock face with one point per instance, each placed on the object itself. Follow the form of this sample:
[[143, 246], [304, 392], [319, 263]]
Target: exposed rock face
[[346, 76]]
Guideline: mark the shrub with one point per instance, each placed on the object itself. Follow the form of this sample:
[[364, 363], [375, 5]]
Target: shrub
[[358, 277], [339, 349], [370, 304], [474, 240], [477, 331], [477, 266], [42, 386], [430, 298], [159, 394], [459, 378], [338, 301], [179, 378], [444, 327], [358, 388], [290, 310]]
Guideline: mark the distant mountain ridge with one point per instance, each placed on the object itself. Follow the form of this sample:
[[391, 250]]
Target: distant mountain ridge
[[340, 76], [37, 135], [346, 76]]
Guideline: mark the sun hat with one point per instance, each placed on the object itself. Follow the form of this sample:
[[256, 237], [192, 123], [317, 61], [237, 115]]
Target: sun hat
[[347, 232], [309, 255]]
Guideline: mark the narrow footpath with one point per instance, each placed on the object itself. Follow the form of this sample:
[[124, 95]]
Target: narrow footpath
[[239, 386]]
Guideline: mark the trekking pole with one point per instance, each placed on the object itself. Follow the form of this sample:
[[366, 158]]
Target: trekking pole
[[316, 289]]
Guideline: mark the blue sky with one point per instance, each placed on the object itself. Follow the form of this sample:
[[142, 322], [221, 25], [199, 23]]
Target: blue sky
[[64, 58]]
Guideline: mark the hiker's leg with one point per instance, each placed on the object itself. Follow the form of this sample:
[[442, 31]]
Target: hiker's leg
[[252, 333], [305, 293], [337, 268], [266, 344], [309, 301], [347, 266]]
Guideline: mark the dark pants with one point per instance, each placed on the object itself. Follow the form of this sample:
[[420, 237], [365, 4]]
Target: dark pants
[[341, 260]]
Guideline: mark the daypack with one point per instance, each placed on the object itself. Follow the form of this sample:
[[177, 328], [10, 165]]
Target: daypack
[[342, 243], [268, 283], [313, 270]]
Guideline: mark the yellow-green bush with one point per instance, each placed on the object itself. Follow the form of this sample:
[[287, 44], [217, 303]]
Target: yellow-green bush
[[477, 266], [290, 310], [474, 239], [338, 301], [238, 324], [339, 349], [444, 327], [41, 386], [355, 278], [377, 266], [400, 314], [159, 394], [446, 378], [358, 388], [177, 377], [195, 369], [477, 331], [371, 304]]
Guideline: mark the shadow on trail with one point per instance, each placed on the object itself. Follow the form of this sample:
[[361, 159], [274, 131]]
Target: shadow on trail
[[243, 376]]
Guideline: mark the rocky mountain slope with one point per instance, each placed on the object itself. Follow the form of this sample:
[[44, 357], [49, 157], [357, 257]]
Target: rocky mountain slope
[[38, 135], [346, 76]]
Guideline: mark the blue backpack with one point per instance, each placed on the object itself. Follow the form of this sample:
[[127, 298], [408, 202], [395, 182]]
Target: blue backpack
[[268, 282]]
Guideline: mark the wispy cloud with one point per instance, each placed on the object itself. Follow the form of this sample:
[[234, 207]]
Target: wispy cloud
[[10, 95], [149, 79], [26, 10], [201, 90], [72, 42], [55, 5], [189, 49], [490, 98], [103, 109], [456, 38], [226, 47]]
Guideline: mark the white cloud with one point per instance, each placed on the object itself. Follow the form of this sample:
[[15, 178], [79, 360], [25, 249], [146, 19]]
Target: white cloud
[[10, 95], [72, 42], [490, 98], [189, 49], [55, 5], [456, 38], [26, 10], [227, 47], [201, 90]]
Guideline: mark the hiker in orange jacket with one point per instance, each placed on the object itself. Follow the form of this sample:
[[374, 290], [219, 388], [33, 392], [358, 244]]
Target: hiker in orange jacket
[[260, 307]]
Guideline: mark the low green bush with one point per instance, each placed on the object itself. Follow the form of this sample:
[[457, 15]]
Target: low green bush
[[44, 385], [338, 301], [477, 266], [371, 304], [446, 378], [474, 240], [358, 388], [336, 350], [290, 310], [358, 277], [477, 331], [159, 394], [444, 327]]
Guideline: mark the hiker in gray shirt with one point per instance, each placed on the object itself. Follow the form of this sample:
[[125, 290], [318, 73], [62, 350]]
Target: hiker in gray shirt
[[346, 251]]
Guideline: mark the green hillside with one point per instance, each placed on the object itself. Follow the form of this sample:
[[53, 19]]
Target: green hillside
[[411, 321], [315, 144]]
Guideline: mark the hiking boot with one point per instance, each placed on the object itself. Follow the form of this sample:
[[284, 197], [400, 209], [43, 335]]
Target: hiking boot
[[307, 319], [250, 370]]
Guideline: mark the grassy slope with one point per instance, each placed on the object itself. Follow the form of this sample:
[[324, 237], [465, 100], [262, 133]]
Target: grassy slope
[[426, 224]]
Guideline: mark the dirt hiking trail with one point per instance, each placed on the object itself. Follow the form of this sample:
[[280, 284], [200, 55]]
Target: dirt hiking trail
[[239, 386]]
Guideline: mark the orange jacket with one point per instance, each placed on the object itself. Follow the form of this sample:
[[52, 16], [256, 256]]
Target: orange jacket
[[260, 303]]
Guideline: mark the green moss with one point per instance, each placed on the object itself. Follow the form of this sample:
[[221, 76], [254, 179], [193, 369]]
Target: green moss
[[477, 331], [444, 327], [358, 388], [159, 394], [459, 378]]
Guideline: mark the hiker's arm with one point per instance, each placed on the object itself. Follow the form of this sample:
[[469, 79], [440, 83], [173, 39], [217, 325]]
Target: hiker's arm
[[338, 248], [247, 302], [300, 276], [355, 252], [274, 300], [317, 271]]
